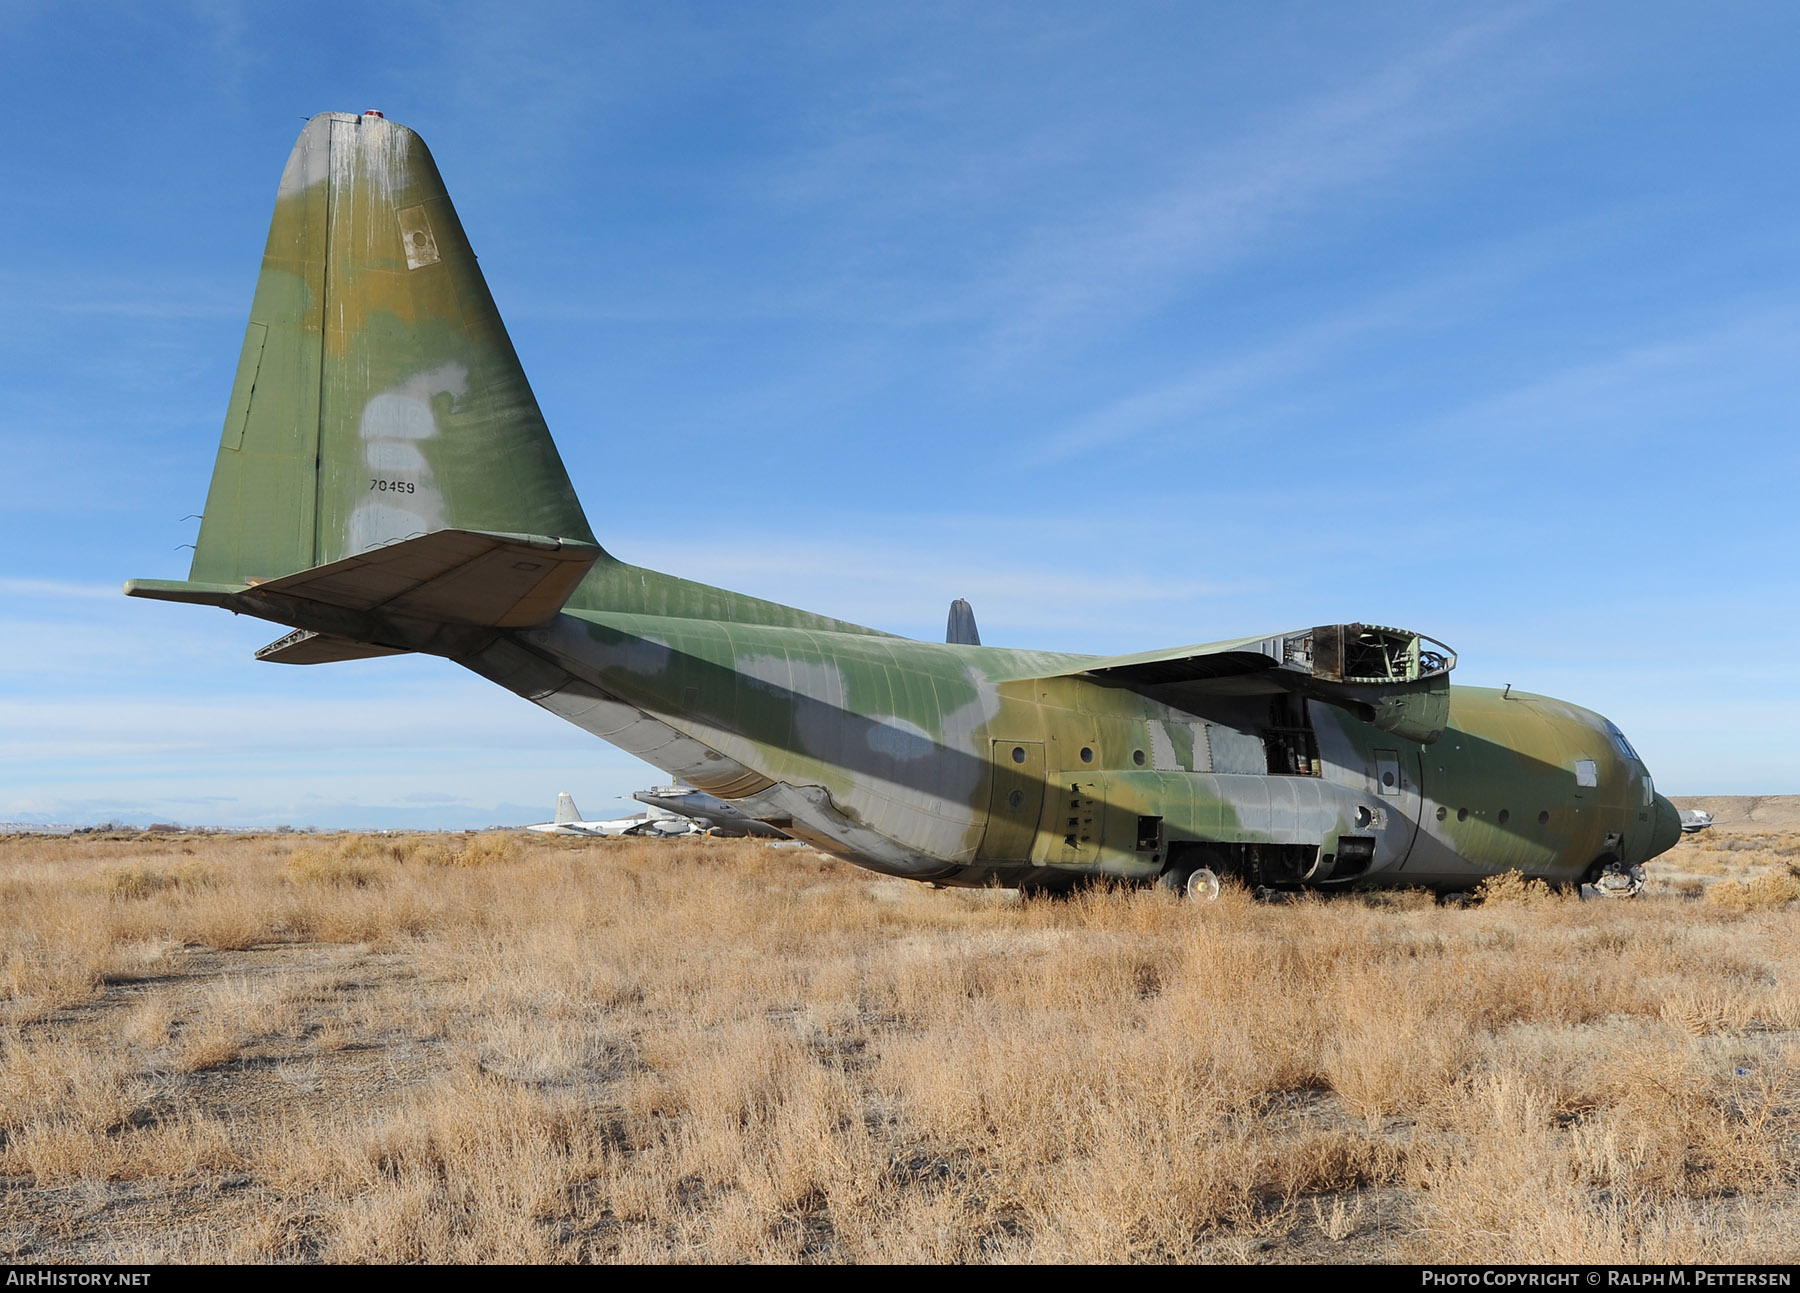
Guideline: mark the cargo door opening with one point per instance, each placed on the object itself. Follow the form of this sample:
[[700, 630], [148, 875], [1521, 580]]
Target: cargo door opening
[[1289, 742]]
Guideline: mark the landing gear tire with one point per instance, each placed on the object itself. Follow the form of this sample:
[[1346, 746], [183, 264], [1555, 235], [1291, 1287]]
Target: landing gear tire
[[1617, 880], [1196, 878], [1202, 885]]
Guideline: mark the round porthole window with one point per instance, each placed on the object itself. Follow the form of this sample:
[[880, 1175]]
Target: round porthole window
[[1443, 813], [1387, 778], [1087, 755], [1016, 800], [1505, 816], [1137, 757], [1018, 754], [1462, 814], [1544, 818]]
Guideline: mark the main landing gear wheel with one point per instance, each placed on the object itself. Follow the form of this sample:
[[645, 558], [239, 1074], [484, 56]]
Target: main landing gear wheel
[[1202, 885], [1196, 879]]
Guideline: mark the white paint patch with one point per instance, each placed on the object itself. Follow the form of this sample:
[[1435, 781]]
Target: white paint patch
[[1162, 749], [771, 671], [394, 455], [959, 728], [403, 498], [309, 163], [897, 738], [580, 652], [819, 726], [819, 687], [352, 152]]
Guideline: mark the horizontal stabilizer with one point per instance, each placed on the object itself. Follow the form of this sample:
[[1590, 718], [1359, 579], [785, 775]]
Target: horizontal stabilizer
[[449, 577], [1395, 679], [461, 577], [183, 590], [303, 646]]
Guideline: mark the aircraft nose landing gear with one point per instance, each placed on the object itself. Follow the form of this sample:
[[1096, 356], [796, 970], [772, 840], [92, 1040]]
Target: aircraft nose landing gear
[[1612, 878]]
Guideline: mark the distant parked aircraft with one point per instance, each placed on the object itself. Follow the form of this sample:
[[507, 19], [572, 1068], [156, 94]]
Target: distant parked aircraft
[[655, 822], [1694, 820], [711, 812]]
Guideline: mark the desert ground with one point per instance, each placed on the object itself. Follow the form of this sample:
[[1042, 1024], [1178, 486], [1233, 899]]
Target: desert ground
[[500, 1047]]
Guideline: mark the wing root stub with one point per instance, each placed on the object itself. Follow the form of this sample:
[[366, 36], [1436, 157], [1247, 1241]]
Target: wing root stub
[[1394, 678]]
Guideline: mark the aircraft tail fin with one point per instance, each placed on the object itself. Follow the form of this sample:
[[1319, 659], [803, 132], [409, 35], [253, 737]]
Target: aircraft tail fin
[[566, 812], [378, 397], [380, 415], [961, 630]]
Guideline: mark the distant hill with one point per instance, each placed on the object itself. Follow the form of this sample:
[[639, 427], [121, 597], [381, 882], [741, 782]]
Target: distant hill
[[1746, 812]]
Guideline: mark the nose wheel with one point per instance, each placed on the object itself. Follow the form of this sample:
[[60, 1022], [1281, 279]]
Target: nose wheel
[[1614, 879]]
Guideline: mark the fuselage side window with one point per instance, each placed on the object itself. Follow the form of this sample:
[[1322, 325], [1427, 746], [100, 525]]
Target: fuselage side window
[[1587, 772]]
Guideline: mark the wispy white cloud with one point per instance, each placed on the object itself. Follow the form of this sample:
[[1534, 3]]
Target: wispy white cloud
[[905, 583], [1693, 377], [56, 588], [1127, 258], [1250, 375]]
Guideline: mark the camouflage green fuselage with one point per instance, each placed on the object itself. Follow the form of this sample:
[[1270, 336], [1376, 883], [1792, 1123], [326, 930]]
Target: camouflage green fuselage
[[978, 765], [385, 482]]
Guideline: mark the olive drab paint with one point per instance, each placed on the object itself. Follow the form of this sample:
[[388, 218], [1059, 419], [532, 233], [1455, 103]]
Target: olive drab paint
[[385, 483]]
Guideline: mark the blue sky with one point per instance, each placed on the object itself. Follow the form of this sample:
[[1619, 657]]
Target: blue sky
[[1137, 325]]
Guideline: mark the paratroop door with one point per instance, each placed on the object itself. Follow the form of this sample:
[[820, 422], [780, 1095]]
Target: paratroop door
[[1015, 801]]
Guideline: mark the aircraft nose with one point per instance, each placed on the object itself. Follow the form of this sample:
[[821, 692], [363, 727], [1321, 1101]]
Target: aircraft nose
[[1666, 829]]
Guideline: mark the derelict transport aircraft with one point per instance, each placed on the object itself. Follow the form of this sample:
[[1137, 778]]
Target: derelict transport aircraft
[[656, 822], [711, 813], [385, 483]]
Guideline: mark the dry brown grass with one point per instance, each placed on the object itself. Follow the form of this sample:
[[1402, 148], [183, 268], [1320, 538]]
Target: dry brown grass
[[510, 1048], [1740, 869]]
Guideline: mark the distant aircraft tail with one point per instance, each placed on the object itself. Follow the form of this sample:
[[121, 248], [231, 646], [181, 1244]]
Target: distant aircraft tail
[[566, 812]]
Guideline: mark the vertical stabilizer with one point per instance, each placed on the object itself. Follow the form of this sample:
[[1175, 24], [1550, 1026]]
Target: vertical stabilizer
[[378, 397], [961, 630], [566, 812]]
